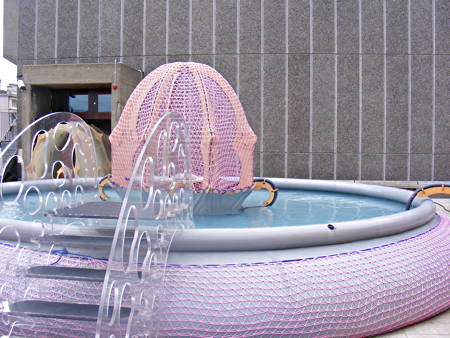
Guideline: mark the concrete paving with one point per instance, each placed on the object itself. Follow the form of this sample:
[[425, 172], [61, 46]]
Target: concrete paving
[[437, 326]]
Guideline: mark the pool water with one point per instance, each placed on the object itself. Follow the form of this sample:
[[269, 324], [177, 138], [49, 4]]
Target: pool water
[[302, 207], [292, 208]]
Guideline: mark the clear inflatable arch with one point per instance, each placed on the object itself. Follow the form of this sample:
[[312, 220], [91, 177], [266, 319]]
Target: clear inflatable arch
[[156, 202]]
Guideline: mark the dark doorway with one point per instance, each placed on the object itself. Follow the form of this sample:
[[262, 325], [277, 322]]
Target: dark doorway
[[93, 105]]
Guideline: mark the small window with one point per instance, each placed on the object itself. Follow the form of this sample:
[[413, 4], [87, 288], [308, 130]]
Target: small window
[[13, 103], [78, 103], [92, 105], [104, 103]]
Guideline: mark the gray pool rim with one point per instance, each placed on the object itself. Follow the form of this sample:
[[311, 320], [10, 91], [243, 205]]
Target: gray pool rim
[[243, 239]]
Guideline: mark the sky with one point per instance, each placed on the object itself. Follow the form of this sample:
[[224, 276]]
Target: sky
[[8, 70]]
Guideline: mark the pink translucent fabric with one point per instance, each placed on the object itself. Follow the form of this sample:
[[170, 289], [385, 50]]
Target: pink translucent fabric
[[221, 139], [352, 294]]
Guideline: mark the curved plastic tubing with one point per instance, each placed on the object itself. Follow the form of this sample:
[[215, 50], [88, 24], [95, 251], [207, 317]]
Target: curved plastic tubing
[[245, 239], [428, 190], [263, 183]]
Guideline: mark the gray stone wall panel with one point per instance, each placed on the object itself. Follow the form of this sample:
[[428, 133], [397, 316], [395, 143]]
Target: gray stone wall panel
[[227, 66], [421, 103], [323, 26], [45, 61], [89, 39], [67, 60], [323, 103], [397, 104], [26, 30], [347, 166], [202, 26], [396, 167], [257, 164], [250, 26], [372, 166], [155, 27], [178, 58], [372, 26], [298, 165], [178, 27], [110, 29], [420, 167], [323, 166], [67, 30], [299, 107], [10, 29], [274, 103], [348, 26], [88, 60], [348, 104], [442, 8], [133, 61], [298, 16], [442, 105], [273, 164], [46, 31], [250, 93], [372, 110], [397, 26], [153, 62], [226, 26], [421, 26], [441, 165], [133, 31], [274, 26], [207, 59]]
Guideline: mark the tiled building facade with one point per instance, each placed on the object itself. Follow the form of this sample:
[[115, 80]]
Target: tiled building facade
[[334, 89]]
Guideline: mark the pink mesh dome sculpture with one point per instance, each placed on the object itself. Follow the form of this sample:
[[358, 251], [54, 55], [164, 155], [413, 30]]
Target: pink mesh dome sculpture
[[221, 139]]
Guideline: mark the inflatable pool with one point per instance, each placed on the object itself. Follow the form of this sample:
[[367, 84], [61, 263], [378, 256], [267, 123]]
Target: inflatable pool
[[354, 278]]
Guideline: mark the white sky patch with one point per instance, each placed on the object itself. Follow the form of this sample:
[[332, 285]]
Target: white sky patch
[[8, 70]]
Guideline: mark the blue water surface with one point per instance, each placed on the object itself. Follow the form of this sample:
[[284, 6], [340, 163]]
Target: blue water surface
[[302, 207], [292, 208]]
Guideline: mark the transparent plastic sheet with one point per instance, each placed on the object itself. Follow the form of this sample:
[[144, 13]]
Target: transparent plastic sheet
[[37, 269], [157, 202], [57, 168], [58, 152]]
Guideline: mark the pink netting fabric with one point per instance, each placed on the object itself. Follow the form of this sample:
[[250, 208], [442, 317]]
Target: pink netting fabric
[[221, 139], [353, 294]]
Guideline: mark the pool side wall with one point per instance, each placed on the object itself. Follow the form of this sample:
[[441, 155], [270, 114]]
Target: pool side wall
[[358, 293]]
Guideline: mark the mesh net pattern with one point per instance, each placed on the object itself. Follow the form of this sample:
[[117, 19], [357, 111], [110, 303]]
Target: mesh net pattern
[[13, 287], [221, 139], [353, 294]]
